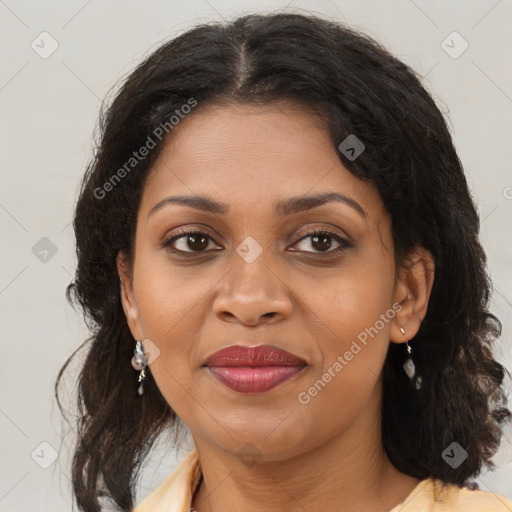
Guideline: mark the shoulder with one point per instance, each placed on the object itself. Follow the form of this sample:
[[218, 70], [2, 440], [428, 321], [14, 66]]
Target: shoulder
[[432, 495], [175, 492]]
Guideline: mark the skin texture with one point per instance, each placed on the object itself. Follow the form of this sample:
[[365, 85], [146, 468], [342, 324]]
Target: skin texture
[[327, 454]]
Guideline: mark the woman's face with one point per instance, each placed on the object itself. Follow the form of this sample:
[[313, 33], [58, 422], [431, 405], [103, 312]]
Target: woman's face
[[262, 277]]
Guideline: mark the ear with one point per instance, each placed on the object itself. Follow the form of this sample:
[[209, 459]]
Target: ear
[[414, 285], [127, 296]]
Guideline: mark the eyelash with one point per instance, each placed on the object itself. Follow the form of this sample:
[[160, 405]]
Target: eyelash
[[343, 243]]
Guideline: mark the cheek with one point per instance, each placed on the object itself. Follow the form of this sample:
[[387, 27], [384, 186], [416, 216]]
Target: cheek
[[167, 296], [353, 343], [354, 300], [168, 312], [354, 315]]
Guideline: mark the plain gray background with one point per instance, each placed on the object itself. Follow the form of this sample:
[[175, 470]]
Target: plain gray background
[[49, 107]]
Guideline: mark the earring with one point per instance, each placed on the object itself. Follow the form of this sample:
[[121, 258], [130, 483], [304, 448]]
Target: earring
[[139, 363], [409, 367]]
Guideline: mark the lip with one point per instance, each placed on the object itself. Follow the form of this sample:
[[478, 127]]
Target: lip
[[253, 369]]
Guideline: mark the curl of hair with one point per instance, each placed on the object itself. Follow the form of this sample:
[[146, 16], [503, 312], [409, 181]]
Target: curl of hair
[[356, 87]]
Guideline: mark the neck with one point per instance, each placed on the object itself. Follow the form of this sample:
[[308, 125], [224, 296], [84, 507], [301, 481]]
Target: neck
[[350, 471]]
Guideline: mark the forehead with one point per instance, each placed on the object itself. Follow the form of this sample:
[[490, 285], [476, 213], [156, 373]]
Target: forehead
[[247, 155]]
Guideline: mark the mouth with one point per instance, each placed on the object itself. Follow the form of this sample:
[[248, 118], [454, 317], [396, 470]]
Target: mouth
[[253, 370]]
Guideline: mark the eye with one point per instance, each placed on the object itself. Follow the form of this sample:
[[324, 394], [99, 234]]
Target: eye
[[322, 241], [196, 241], [188, 241]]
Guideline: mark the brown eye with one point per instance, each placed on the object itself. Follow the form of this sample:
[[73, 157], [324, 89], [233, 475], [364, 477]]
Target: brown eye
[[322, 241], [192, 241]]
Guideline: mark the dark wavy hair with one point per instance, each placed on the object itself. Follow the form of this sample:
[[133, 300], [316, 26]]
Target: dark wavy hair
[[356, 86]]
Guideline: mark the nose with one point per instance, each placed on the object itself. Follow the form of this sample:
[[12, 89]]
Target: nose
[[252, 293]]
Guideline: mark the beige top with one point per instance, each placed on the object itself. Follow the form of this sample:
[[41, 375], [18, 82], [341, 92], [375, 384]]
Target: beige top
[[176, 492]]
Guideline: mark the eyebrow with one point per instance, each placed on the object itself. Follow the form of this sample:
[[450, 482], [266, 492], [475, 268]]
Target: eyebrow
[[284, 207]]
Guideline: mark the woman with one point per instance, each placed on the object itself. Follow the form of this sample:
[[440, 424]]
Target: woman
[[277, 248]]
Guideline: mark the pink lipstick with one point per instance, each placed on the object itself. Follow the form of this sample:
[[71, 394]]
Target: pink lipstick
[[253, 369]]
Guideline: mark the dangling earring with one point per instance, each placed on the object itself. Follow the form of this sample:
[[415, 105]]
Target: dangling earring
[[409, 367], [139, 363]]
